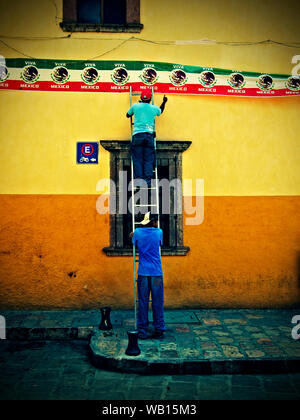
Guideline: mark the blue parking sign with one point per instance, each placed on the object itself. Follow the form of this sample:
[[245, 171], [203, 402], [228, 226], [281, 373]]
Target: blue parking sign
[[87, 152]]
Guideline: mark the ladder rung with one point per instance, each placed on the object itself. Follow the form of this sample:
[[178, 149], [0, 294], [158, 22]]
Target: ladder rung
[[138, 301], [146, 205], [138, 223], [145, 188]]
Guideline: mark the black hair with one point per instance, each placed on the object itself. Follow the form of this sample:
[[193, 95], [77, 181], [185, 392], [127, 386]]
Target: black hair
[[150, 224], [153, 220], [153, 217]]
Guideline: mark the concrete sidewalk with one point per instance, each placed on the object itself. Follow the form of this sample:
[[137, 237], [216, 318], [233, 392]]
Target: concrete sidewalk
[[196, 341]]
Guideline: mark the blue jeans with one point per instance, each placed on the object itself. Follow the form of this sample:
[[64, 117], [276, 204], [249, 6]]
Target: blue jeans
[[153, 284], [143, 155]]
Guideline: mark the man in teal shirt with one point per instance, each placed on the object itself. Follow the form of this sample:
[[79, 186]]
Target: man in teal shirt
[[142, 146]]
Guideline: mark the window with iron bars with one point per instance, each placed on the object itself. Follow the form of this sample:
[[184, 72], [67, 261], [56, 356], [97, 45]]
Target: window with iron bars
[[101, 16], [169, 166]]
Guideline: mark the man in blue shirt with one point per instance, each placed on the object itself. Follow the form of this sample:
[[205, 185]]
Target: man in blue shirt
[[149, 239], [142, 146]]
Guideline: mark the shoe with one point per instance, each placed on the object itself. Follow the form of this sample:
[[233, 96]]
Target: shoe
[[158, 334], [142, 336]]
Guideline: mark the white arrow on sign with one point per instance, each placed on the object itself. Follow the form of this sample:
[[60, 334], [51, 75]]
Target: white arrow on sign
[[93, 160]]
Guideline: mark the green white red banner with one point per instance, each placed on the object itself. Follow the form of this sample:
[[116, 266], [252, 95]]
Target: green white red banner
[[112, 76]]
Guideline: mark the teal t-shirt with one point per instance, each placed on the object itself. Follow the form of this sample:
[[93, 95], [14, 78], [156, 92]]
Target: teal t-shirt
[[144, 116]]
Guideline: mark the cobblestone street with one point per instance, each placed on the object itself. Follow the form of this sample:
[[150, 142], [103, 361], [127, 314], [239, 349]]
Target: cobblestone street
[[62, 370], [196, 341]]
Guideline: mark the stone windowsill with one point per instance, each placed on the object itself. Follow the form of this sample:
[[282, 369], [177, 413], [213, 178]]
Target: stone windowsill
[[127, 252], [94, 27], [161, 145]]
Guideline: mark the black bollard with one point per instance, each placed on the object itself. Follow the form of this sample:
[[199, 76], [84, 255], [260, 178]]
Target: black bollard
[[105, 319], [133, 347]]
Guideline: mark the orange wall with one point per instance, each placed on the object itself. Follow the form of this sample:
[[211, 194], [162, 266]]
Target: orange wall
[[245, 254]]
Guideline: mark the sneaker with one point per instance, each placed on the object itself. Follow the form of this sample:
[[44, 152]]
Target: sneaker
[[158, 334], [142, 336]]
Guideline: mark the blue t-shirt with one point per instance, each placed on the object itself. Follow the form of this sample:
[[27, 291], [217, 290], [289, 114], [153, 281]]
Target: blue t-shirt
[[144, 115], [148, 241]]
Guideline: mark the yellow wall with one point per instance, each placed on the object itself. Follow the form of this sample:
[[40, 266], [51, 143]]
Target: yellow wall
[[245, 146], [246, 150]]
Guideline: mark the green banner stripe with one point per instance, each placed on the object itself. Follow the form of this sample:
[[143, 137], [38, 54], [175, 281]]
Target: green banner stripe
[[129, 65]]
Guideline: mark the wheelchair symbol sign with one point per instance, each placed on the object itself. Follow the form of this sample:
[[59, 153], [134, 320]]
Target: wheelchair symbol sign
[[87, 152]]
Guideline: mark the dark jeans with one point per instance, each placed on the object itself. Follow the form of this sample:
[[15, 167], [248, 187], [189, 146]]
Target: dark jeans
[[143, 155], [153, 284]]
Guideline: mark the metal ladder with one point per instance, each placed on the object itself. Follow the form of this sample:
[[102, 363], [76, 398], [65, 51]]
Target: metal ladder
[[149, 205]]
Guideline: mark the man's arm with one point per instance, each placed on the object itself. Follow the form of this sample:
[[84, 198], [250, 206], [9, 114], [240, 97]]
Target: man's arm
[[161, 237], [162, 107], [130, 112], [132, 236]]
